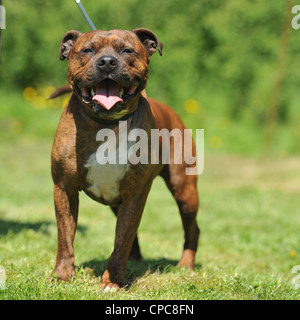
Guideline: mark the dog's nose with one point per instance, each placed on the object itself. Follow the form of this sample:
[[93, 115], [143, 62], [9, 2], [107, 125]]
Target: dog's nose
[[107, 63]]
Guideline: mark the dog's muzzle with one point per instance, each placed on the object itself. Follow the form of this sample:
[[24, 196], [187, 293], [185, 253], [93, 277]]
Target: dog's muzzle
[[107, 96]]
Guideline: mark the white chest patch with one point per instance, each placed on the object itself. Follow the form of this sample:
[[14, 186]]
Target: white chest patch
[[104, 179]]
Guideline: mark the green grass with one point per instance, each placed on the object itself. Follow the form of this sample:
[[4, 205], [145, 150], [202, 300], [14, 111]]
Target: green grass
[[249, 222]]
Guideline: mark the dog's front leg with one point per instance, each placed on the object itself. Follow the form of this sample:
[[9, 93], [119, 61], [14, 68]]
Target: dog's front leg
[[128, 220], [66, 209]]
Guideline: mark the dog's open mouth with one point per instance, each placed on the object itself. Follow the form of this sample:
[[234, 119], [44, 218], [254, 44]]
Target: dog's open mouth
[[107, 93]]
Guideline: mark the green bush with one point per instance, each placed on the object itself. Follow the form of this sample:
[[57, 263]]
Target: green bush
[[228, 48]]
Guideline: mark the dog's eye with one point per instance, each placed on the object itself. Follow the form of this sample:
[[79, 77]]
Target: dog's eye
[[87, 51], [127, 50]]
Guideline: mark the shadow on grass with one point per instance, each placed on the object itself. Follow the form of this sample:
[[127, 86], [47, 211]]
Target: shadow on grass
[[136, 269], [16, 227]]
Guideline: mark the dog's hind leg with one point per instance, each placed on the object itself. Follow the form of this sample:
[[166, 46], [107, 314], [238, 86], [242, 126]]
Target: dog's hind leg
[[135, 253], [184, 190]]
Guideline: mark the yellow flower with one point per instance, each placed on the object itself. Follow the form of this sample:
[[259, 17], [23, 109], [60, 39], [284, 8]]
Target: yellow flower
[[191, 106], [29, 93], [293, 253], [39, 103]]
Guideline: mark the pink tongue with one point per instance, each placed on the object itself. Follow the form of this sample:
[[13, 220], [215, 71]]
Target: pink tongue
[[107, 93]]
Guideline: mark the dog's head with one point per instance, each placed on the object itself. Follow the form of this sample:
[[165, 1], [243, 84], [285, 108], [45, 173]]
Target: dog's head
[[109, 69]]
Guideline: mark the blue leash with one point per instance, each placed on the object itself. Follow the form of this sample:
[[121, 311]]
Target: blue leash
[[85, 15]]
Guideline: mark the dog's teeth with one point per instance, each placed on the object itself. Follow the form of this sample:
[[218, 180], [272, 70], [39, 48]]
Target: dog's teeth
[[86, 99], [121, 92], [93, 91]]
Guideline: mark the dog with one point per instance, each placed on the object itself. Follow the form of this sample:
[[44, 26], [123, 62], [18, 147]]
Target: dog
[[108, 73]]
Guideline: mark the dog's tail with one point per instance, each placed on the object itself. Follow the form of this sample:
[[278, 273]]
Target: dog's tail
[[60, 91]]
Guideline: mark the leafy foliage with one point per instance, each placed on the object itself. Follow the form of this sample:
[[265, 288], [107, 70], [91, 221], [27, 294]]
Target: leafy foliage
[[227, 47]]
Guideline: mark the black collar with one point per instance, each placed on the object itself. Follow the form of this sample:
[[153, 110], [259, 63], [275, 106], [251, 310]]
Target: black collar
[[94, 117]]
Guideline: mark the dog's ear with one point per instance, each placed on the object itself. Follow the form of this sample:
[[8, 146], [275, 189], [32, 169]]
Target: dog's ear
[[67, 43], [149, 40]]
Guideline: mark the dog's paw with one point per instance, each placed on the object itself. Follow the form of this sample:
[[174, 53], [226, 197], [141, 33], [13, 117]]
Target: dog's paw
[[107, 285], [63, 273], [187, 260]]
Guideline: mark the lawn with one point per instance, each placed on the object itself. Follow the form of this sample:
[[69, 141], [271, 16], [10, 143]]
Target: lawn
[[249, 220]]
